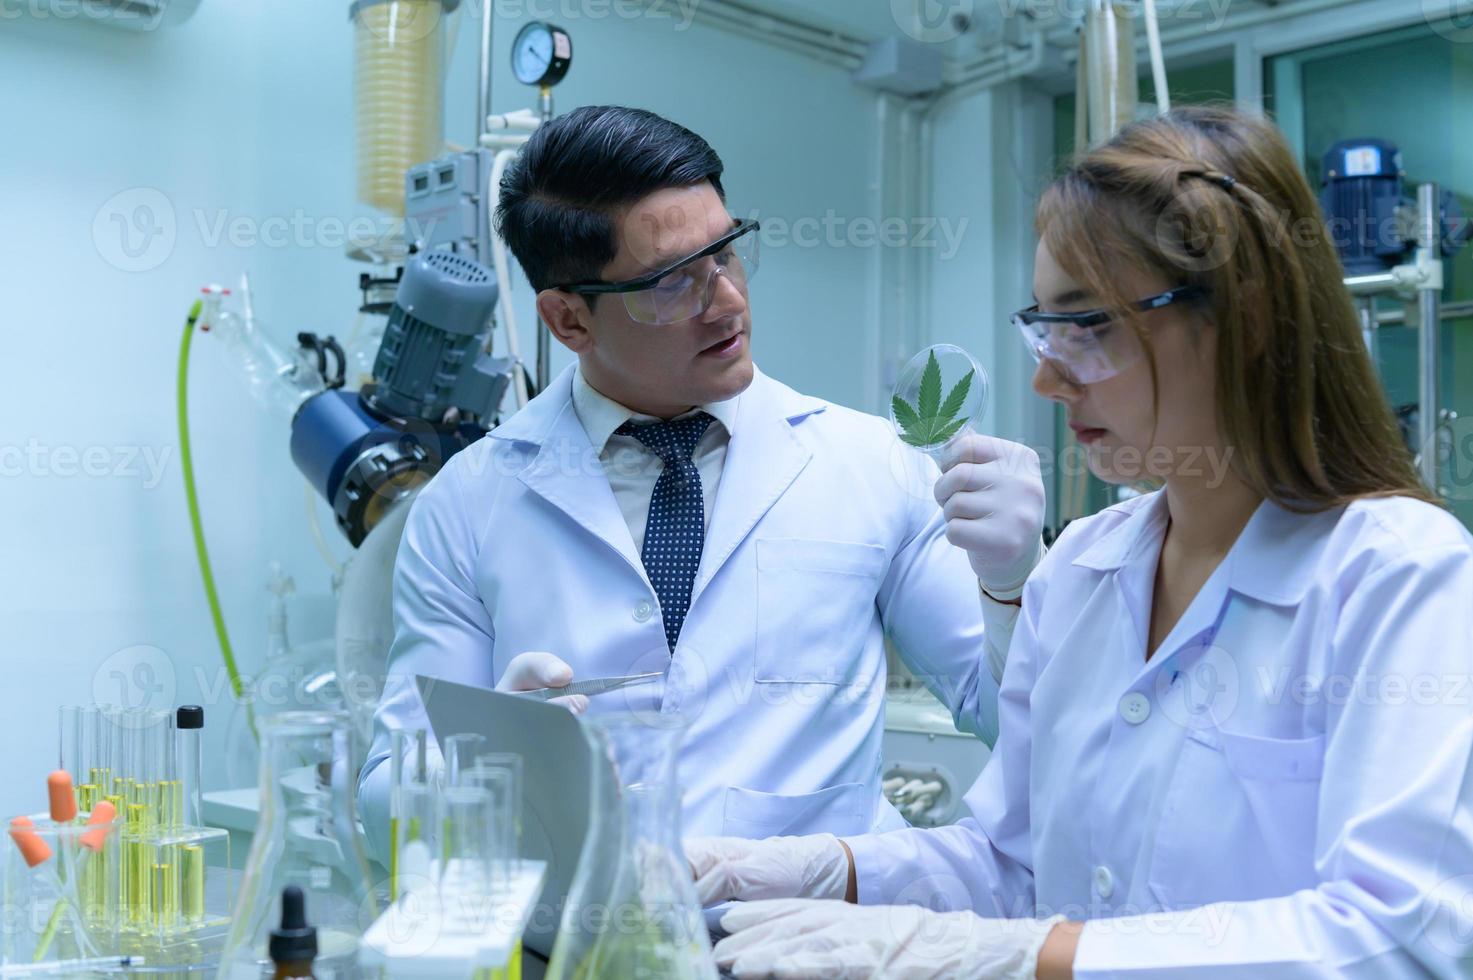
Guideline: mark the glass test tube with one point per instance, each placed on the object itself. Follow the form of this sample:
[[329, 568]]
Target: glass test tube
[[189, 723], [192, 870], [499, 775], [188, 770], [92, 777], [136, 865], [68, 735], [470, 840], [112, 729], [411, 803], [165, 899], [461, 752], [512, 763]]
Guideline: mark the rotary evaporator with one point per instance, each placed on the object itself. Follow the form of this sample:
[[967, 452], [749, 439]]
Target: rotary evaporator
[[417, 378]]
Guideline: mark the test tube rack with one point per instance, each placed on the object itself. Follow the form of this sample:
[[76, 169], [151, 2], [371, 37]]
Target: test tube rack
[[162, 888]]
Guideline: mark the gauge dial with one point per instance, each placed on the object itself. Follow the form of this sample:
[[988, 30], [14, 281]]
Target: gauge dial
[[541, 54]]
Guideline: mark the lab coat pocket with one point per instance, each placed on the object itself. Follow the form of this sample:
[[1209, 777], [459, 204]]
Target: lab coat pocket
[[815, 607], [1239, 819], [843, 809]]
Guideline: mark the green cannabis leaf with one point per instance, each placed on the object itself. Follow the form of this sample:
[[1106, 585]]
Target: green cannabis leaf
[[931, 422]]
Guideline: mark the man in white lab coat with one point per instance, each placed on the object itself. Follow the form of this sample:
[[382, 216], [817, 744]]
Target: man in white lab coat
[[663, 505]]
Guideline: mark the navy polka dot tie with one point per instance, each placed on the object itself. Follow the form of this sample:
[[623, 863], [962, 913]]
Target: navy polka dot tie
[[677, 522]]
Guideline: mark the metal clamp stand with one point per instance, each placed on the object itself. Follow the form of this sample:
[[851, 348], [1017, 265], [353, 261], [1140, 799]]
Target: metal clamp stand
[[1424, 275]]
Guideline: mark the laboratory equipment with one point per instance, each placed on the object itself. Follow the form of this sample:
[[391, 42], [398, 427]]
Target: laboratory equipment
[[60, 884], [293, 944], [460, 756], [399, 56], [461, 907], [1391, 244], [443, 934], [291, 676], [541, 54], [940, 394], [592, 687], [113, 871], [163, 894], [364, 625], [279, 379], [306, 837], [189, 724], [1106, 90], [632, 910], [411, 804], [926, 764], [1372, 220], [436, 393], [554, 813]]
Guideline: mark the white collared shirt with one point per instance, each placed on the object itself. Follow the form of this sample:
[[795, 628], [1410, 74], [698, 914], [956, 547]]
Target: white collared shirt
[[632, 467], [1284, 789]]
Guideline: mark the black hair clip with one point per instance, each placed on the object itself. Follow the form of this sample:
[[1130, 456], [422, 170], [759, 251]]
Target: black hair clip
[[1225, 181]]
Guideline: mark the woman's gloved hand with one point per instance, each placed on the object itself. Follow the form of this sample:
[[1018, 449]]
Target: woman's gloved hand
[[533, 670], [736, 869], [838, 941], [991, 493]]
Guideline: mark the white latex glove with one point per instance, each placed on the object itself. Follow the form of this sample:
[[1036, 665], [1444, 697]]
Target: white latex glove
[[797, 938], [734, 868], [991, 493], [530, 671]]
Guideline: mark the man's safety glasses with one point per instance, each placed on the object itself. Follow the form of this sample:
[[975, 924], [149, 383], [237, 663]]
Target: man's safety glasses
[[1089, 346], [686, 287]]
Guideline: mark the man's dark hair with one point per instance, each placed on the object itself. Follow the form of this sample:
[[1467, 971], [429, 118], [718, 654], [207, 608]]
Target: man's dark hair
[[559, 198]]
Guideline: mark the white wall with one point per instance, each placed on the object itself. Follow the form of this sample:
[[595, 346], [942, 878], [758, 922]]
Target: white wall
[[245, 112]]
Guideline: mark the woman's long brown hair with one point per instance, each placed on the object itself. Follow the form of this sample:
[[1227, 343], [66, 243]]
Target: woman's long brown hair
[[1211, 196]]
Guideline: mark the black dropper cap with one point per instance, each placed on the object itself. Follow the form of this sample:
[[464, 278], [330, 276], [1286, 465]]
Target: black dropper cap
[[295, 941], [189, 716]]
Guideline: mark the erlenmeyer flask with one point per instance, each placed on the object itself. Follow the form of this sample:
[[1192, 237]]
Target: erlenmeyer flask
[[632, 910], [305, 837]]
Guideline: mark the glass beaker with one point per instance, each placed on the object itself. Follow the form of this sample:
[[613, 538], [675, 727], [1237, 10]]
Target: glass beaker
[[632, 910], [305, 837]]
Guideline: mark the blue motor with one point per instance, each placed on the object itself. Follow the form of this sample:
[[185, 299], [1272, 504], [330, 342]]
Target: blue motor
[[435, 393], [1370, 216]]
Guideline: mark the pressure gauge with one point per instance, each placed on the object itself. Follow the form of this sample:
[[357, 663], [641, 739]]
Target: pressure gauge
[[541, 54]]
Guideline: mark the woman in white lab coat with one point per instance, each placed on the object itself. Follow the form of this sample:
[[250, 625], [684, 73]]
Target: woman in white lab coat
[[1235, 719]]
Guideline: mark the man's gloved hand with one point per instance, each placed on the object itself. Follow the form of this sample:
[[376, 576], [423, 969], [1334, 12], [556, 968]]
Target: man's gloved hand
[[530, 671], [734, 868], [991, 493], [796, 938]]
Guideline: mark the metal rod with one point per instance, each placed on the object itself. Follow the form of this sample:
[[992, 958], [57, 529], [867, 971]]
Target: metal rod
[[1429, 240], [1365, 307], [1379, 282], [1446, 311], [483, 90]]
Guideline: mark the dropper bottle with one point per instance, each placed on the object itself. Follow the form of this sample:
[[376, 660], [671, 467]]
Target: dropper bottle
[[293, 946]]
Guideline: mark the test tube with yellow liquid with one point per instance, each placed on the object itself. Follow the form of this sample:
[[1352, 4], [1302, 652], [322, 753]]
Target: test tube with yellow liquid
[[411, 801]]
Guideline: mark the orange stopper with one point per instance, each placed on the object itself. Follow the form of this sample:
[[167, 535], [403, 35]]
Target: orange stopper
[[30, 844], [102, 813], [63, 800]]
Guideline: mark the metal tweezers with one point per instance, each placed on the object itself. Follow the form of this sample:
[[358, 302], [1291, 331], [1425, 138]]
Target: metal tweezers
[[589, 688]]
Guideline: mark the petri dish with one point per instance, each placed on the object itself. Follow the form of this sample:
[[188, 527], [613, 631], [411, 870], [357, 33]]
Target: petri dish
[[941, 394]]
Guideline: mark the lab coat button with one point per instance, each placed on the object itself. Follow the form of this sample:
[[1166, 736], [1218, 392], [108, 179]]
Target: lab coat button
[[1135, 708], [1104, 882], [643, 611]]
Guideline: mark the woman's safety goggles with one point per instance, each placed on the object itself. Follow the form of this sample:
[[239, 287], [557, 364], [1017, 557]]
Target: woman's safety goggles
[[686, 288], [1090, 346]]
